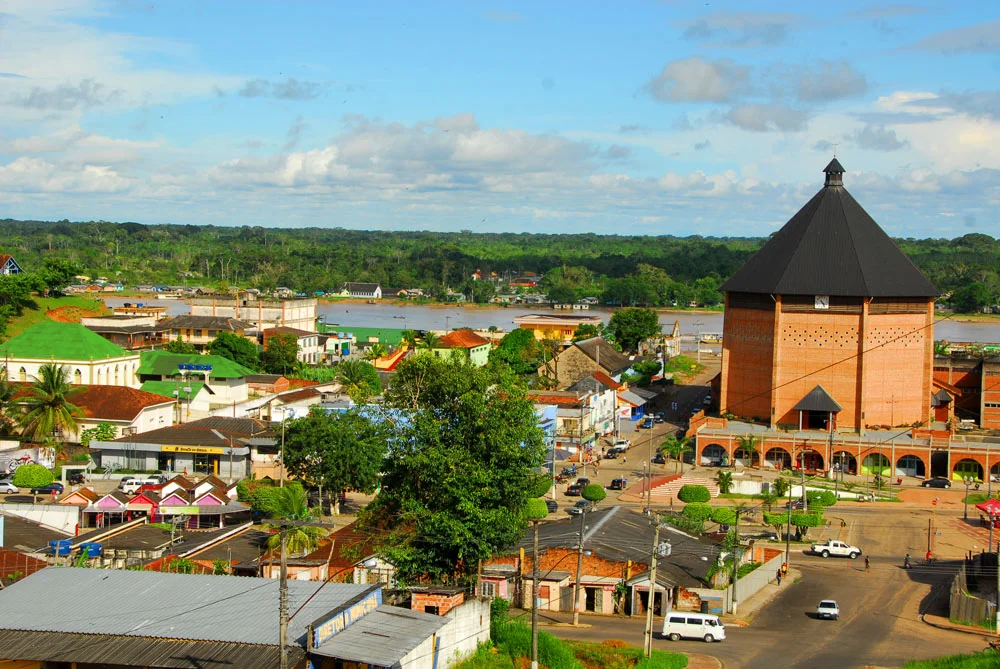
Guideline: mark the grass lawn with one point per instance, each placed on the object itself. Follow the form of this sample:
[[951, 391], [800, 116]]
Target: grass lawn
[[683, 368], [69, 308], [988, 660]]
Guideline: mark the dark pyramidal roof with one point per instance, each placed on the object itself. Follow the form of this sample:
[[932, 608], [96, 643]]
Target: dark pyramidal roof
[[831, 247]]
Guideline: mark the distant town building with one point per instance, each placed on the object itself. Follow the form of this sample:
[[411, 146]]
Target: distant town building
[[8, 265], [555, 326], [363, 290], [472, 346], [263, 314]]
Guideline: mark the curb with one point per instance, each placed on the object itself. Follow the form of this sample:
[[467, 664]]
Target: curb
[[699, 661], [552, 624], [989, 634]]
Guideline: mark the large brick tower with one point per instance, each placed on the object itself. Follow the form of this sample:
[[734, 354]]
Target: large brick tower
[[829, 324]]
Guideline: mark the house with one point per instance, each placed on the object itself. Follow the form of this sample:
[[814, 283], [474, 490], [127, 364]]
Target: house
[[474, 348], [577, 424], [90, 358], [200, 331], [140, 310], [267, 384], [129, 332], [8, 265], [337, 346], [261, 313], [362, 290], [131, 411], [206, 446], [582, 358], [617, 544], [309, 350], [225, 378], [603, 392], [411, 293], [345, 556], [556, 326]]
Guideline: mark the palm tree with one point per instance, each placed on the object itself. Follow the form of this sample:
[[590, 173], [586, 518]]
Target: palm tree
[[724, 480], [354, 376], [376, 351], [748, 443], [49, 409], [430, 340], [293, 504], [676, 448], [409, 338], [6, 394]]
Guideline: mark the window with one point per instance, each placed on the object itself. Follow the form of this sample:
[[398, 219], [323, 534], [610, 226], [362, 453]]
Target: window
[[992, 405], [488, 589], [22, 375], [678, 620], [544, 592]]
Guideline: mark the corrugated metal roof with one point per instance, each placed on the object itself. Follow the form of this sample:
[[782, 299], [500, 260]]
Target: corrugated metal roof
[[205, 612], [383, 637], [105, 650], [831, 247]]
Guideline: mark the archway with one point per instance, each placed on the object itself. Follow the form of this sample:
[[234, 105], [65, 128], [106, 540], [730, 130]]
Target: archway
[[965, 468], [746, 458], [77, 377], [714, 454], [778, 458], [939, 463], [845, 462], [910, 465], [875, 463], [22, 375], [116, 375], [100, 376], [809, 460], [995, 473]]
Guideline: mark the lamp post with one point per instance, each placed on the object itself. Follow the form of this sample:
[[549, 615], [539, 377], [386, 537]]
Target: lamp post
[[967, 480]]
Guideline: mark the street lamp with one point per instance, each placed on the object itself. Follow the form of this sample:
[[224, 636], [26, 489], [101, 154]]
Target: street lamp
[[968, 480]]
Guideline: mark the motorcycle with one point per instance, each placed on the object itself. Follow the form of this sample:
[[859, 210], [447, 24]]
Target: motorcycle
[[906, 563]]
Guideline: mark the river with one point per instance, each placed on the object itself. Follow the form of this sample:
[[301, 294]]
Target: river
[[422, 317]]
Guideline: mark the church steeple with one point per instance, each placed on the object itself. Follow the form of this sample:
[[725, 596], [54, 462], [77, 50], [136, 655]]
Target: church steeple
[[834, 173]]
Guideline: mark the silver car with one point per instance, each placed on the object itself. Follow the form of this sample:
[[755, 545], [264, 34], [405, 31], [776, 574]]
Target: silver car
[[8, 488]]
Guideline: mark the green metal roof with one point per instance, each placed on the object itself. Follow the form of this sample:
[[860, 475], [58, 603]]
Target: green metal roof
[[167, 388], [61, 341], [390, 336], [164, 363]]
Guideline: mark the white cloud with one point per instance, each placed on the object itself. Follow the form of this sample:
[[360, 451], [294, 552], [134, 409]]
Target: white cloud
[[977, 38], [768, 117], [741, 29], [697, 80]]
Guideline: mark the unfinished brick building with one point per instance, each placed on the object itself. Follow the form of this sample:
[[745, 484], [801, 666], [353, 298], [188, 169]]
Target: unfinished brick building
[[829, 325]]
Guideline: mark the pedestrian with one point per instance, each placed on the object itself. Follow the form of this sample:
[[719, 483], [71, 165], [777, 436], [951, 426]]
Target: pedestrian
[[868, 564], [778, 576], [624, 459]]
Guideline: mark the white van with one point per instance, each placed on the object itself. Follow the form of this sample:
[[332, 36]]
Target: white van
[[131, 486], [682, 625]]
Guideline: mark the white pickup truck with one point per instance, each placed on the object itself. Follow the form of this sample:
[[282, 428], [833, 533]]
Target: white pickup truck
[[838, 548]]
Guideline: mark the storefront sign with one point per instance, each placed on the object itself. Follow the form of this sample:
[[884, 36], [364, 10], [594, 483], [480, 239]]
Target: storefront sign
[[344, 617], [210, 450]]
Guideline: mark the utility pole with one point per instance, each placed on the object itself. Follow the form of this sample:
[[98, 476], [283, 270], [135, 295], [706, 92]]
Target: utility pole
[[281, 456], [283, 602], [579, 571], [534, 597], [647, 637], [788, 530], [736, 557], [649, 459]]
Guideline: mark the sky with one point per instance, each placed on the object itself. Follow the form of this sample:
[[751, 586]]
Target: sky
[[639, 117]]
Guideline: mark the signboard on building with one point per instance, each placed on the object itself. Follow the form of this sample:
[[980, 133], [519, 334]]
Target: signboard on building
[[11, 459], [343, 617], [209, 450]]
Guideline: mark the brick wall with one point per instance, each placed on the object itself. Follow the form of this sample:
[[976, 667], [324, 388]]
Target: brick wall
[[564, 559], [444, 602]]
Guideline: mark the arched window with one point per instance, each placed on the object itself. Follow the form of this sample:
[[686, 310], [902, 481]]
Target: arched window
[[22, 375], [77, 377], [116, 375], [100, 376]]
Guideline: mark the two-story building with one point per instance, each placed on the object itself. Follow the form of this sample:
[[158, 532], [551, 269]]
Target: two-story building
[[200, 331], [226, 380], [310, 351], [556, 326], [261, 313], [470, 345]]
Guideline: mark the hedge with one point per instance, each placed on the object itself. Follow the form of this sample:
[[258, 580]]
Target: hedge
[[697, 511], [824, 497], [694, 493], [723, 515]]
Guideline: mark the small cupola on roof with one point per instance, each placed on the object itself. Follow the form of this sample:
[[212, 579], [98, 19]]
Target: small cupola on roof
[[831, 247]]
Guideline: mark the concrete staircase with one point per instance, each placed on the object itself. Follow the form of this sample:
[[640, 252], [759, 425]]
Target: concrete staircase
[[673, 485]]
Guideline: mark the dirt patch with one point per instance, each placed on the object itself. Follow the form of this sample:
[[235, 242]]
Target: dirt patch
[[73, 314]]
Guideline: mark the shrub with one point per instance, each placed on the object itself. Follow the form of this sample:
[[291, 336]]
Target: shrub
[[821, 497], [262, 496], [514, 639], [803, 521], [697, 511], [685, 524], [723, 515], [694, 493], [536, 509], [32, 476], [498, 615], [593, 492]]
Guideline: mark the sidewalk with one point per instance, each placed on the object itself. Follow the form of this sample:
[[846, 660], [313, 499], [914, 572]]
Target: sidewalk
[[943, 623], [746, 608]]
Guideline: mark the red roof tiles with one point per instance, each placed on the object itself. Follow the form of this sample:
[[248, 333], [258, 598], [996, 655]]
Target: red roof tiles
[[461, 339]]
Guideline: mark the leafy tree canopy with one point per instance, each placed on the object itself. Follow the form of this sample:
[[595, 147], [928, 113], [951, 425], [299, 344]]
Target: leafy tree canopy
[[519, 350], [102, 432], [360, 380], [459, 468], [280, 353], [632, 325], [180, 346], [236, 348], [32, 476]]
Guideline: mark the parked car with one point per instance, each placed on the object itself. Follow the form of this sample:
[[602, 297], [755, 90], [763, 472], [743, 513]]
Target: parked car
[[937, 482], [132, 486], [583, 482], [551, 505], [574, 489], [121, 483], [828, 609], [8, 488], [794, 504], [707, 401], [55, 486], [647, 423], [579, 507], [618, 484], [622, 444], [679, 625], [76, 478], [612, 454]]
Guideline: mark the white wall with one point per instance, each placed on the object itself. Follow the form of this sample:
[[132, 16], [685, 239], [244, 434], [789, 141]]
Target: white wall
[[103, 372], [469, 627], [60, 517]]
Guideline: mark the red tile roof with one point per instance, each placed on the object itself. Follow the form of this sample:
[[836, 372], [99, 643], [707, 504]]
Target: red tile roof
[[607, 380], [562, 400], [107, 402], [284, 329], [303, 394], [461, 339], [345, 548]]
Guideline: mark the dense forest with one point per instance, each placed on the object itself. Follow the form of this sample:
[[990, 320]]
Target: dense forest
[[644, 270]]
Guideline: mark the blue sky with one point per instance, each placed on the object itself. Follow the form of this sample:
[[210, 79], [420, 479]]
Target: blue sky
[[635, 117]]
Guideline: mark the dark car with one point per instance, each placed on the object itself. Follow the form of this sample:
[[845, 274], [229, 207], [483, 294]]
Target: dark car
[[551, 505], [612, 454], [574, 489], [658, 459], [76, 478], [618, 484], [55, 486], [794, 504], [583, 482], [659, 418], [579, 507], [936, 482], [647, 423]]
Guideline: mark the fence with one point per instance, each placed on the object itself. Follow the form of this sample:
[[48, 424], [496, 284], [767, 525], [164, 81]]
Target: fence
[[750, 584], [965, 607]]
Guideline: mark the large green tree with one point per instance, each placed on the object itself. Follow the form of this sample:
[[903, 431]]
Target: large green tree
[[632, 325], [972, 298], [460, 467], [48, 406], [280, 354], [359, 379], [291, 503], [180, 346], [336, 451], [236, 348], [519, 350]]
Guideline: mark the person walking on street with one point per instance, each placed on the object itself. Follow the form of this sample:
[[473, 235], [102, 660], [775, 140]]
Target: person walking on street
[[779, 576], [868, 564]]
